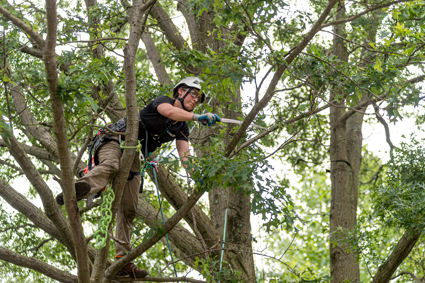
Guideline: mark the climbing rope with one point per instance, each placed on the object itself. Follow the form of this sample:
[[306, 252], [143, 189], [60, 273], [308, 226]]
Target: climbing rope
[[155, 169], [105, 209], [224, 239], [138, 148]]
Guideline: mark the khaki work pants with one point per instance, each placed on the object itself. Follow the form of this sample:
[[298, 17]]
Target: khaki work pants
[[101, 175]]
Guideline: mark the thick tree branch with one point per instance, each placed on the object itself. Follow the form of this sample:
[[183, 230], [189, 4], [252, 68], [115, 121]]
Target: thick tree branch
[[33, 52], [130, 50], [52, 210], [397, 256], [196, 25], [155, 58], [167, 26], [24, 27], [37, 265], [28, 119], [33, 213], [276, 78], [60, 127], [34, 151], [183, 240], [170, 224]]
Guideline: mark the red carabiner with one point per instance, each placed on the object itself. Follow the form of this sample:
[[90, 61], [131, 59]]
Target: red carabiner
[[153, 164]]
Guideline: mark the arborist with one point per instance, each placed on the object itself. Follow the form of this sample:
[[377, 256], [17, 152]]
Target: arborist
[[162, 120]]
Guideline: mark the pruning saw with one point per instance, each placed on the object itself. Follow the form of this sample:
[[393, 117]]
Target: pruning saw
[[233, 121]]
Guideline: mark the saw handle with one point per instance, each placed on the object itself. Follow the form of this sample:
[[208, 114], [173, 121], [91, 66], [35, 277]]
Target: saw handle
[[204, 122]]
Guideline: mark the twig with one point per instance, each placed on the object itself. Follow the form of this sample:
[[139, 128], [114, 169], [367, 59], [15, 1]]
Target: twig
[[17, 227], [35, 249], [81, 152], [289, 245], [406, 273], [384, 123], [93, 40], [197, 232], [361, 14], [5, 85], [375, 176]]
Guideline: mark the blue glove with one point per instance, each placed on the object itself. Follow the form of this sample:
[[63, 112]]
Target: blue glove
[[207, 118]]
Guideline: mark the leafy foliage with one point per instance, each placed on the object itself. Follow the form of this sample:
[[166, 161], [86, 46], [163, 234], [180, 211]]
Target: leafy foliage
[[400, 199]]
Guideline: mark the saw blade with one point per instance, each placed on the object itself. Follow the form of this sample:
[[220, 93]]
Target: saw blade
[[233, 121]]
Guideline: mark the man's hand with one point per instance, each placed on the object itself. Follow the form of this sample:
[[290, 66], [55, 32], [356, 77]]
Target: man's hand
[[207, 118]]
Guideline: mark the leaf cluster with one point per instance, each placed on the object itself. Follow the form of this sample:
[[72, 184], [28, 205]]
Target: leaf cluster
[[399, 201]]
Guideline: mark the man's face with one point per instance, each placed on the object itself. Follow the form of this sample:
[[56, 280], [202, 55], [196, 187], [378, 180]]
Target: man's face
[[192, 99]]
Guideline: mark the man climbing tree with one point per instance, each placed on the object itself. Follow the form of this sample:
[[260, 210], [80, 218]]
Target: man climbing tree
[[162, 120]]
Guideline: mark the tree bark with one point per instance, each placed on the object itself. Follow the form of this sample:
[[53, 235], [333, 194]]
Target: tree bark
[[37, 265], [34, 214], [155, 58], [397, 256], [65, 161], [345, 155]]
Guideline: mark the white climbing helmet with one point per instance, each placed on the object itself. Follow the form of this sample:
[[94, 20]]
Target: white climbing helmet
[[194, 82]]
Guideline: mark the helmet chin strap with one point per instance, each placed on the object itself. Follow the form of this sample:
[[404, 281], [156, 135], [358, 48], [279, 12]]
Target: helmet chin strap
[[181, 99]]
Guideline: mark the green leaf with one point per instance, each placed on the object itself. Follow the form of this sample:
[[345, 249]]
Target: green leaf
[[378, 65], [6, 79]]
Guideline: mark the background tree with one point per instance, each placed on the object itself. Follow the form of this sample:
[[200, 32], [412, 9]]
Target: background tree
[[83, 63]]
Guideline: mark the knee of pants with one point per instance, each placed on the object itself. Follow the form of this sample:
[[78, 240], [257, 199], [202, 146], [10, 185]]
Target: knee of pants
[[110, 168], [129, 212], [115, 167]]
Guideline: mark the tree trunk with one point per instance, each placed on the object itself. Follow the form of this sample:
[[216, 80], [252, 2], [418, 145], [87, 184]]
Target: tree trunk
[[345, 154], [238, 229]]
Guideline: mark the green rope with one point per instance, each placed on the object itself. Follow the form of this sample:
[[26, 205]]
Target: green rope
[[224, 239], [105, 209], [163, 220]]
